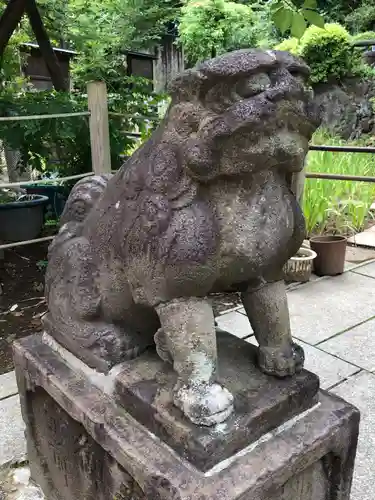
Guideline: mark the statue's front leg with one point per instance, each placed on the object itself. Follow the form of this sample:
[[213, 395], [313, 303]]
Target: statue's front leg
[[267, 309], [189, 334]]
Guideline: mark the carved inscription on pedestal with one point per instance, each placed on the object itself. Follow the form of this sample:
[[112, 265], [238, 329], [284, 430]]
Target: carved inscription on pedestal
[[75, 464]]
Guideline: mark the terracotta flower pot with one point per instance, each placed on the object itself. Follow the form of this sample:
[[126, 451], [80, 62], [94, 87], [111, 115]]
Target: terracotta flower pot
[[330, 251]]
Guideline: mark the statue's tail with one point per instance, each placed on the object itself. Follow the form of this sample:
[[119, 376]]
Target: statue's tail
[[83, 198]]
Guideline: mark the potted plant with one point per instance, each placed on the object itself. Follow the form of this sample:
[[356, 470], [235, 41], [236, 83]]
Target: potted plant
[[299, 267], [330, 250], [330, 247], [21, 216]]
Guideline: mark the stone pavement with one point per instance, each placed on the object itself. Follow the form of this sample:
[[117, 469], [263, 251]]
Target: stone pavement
[[332, 318]]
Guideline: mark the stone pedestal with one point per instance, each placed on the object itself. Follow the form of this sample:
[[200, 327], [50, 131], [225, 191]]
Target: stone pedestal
[[118, 436]]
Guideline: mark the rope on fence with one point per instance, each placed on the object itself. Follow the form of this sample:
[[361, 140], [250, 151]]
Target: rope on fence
[[27, 242], [122, 115], [42, 117], [44, 181]]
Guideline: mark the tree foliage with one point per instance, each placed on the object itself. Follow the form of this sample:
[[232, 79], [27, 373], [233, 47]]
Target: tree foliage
[[210, 27]]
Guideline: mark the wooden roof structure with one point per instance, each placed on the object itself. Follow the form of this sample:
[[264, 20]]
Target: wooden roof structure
[[9, 21]]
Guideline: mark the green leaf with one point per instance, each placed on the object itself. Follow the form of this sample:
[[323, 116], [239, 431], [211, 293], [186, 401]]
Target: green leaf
[[298, 25], [277, 6], [314, 18], [309, 4], [283, 19]]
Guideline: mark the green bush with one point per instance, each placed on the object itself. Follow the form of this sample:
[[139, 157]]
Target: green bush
[[328, 52]]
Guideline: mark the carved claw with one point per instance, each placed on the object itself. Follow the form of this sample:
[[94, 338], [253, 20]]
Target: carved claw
[[204, 404], [281, 361]]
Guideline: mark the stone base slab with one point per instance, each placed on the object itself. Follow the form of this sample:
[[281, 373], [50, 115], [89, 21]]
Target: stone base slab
[[144, 387], [82, 444]]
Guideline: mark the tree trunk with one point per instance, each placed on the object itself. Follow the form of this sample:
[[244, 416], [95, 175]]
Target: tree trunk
[[9, 21]]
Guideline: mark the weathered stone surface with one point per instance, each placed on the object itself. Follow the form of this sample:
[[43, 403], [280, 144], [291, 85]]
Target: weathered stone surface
[[12, 442], [235, 323], [205, 205], [365, 238], [15, 484], [356, 345], [261, 403], [8, 385], [330, 369], [318, 312], [359, 255], [346, 107], [82, 445], [360, 391], [367, 270]]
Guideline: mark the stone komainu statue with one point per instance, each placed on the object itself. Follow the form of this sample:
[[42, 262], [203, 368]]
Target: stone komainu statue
[[204, 205]]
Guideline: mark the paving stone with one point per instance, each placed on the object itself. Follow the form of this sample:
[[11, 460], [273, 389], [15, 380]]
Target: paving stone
[[329, 369], [12, 441], [359, 255], [360, 391], [329, 306], [16, 484], [235, 323], [355, 346], [365, 239], [8, 385], [321, 309], [367, 270]]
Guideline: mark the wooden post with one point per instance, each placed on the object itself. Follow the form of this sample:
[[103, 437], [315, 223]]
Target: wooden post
[[99, 128]]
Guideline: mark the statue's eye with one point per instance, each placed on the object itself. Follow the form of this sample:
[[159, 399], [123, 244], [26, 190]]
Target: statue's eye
[[299, 76], [253, 85]]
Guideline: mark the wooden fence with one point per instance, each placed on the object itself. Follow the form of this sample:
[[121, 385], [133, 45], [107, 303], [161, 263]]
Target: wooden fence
[[101, 155], [99, 139]]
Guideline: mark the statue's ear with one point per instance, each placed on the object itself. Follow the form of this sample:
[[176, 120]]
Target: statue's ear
[[187, 86]]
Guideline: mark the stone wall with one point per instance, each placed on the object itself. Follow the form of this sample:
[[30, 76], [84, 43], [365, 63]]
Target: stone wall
[[347, 108]]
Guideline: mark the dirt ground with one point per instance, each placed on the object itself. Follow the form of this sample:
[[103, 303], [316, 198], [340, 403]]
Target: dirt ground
[[21, 297], [22, 301]]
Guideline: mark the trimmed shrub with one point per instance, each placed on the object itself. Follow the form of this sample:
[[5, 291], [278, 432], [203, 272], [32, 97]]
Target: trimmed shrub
[[328, 52]]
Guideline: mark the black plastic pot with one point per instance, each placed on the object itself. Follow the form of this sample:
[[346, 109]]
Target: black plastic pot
[[57, 196], [330, 251], [22, 219]]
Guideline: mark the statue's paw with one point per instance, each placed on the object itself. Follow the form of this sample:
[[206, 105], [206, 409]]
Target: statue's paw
[[281, 361], [204, 404]]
